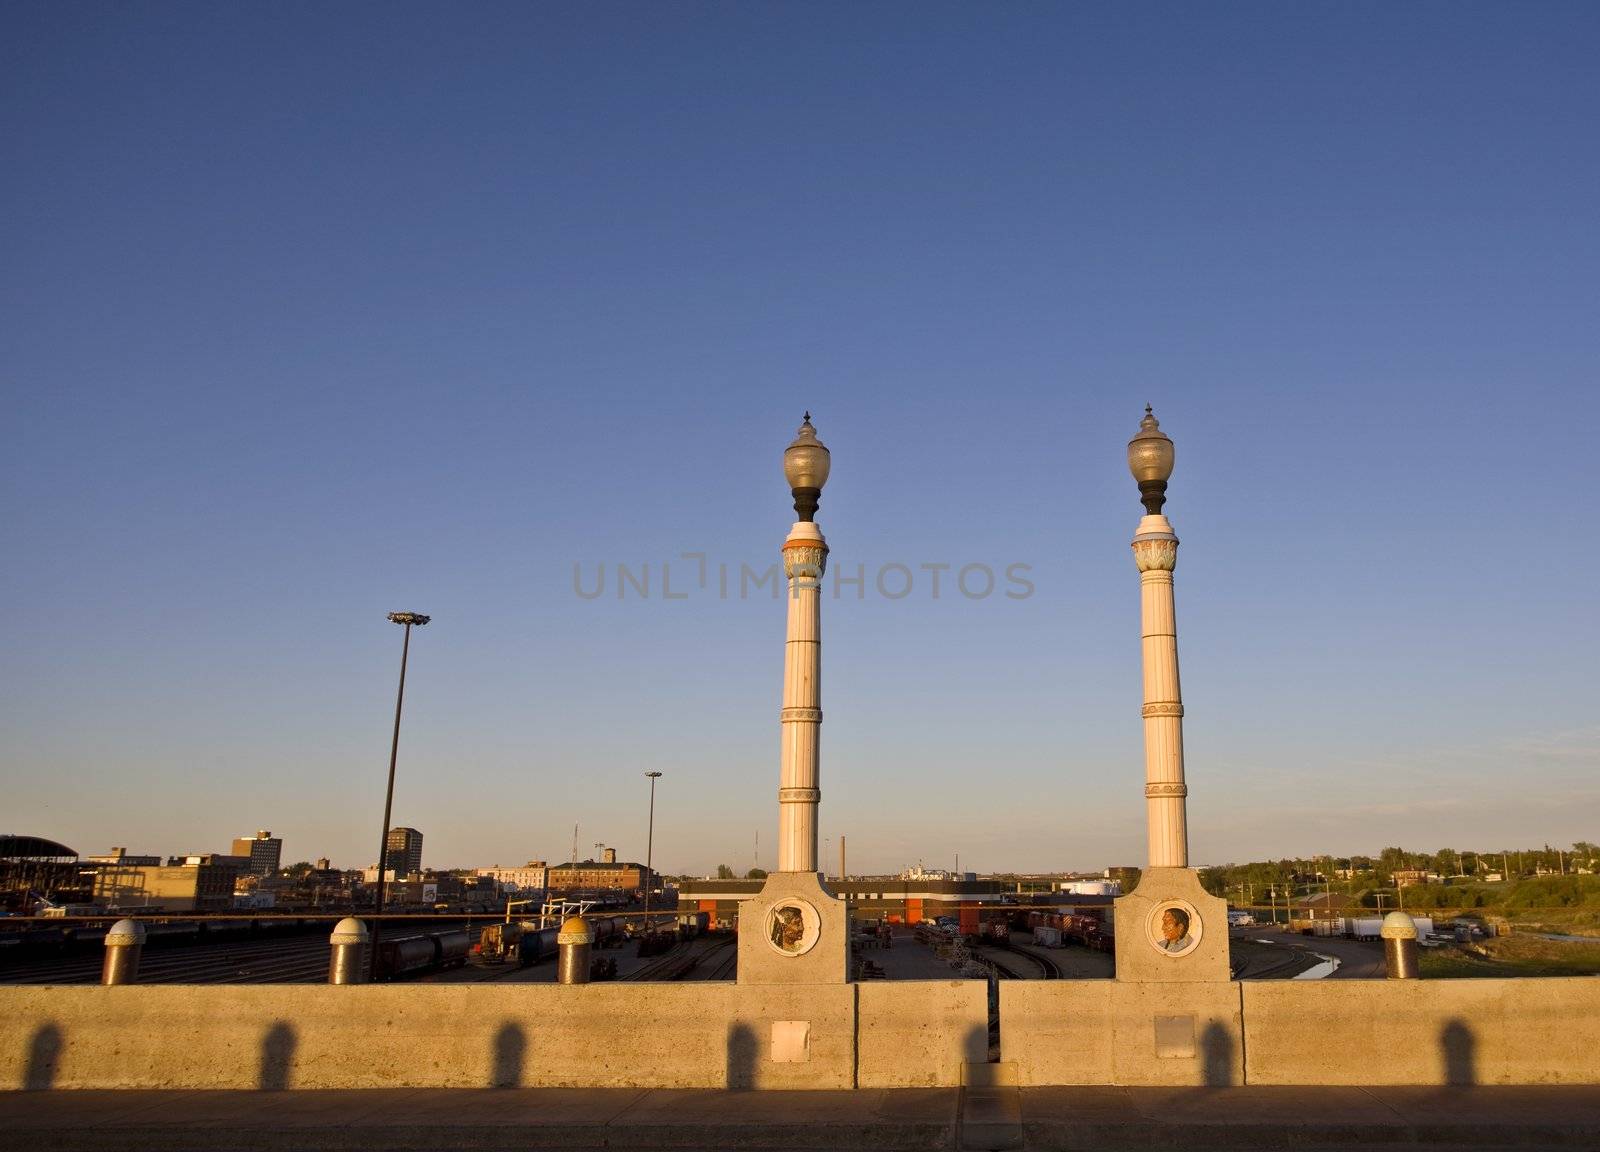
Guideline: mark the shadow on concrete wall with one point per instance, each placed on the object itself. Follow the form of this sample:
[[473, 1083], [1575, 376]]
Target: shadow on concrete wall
[[1460, 1053], [742, 1056], [44, 1057], [510, 1052], [277, 1058], [975, 1047], [1216, 1056]]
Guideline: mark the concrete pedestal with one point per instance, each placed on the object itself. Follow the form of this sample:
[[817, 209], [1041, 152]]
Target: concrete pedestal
[[794, 932], [1146, 949]]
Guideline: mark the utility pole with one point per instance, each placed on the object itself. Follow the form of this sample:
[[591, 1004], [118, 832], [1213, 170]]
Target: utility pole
[[408, 619]]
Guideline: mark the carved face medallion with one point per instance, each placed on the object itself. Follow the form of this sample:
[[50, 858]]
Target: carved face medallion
[[792, 927], [1174, 928]]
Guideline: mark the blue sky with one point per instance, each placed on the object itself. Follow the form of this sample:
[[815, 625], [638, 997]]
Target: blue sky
[[312, 313]]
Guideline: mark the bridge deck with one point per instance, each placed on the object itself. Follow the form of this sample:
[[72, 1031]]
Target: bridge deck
[[1255, 1118]]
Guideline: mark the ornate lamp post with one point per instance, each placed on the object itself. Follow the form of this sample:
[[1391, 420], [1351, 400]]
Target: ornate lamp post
[[1169, 928], [805, 557], [796, 931], [1155, 552], [408, 619]]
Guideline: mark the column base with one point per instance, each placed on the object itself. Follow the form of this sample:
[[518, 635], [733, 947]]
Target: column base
[[1146, 949], [795, 931]]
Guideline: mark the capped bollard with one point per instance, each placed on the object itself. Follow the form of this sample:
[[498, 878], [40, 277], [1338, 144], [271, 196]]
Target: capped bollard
[[1399, 934], [124, 945], [572, 951], [349, 937]]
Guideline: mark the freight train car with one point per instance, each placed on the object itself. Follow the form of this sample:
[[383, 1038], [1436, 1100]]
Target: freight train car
[[413, 955]]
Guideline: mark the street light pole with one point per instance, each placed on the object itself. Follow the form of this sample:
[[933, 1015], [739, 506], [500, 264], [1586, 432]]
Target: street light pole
[[649, 850], [408, 619]]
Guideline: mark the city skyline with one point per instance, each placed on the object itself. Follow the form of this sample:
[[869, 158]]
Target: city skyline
[[295, 343]]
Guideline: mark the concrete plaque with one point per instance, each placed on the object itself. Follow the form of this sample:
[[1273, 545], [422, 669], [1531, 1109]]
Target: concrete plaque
[[791, 1041], [1175, 1037]]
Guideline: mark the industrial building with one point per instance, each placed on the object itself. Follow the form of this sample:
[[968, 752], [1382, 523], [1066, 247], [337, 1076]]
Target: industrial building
[[897, 900], [204, 886], [264, 850], [593, 875], [33, 869]]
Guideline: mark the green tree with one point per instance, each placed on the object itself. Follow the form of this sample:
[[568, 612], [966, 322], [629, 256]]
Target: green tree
[[756, 874], [724, 872]]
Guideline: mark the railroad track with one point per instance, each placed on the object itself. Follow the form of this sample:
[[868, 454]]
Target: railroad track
[[302, 960], [727, 967], [670, 965], [1051, 970]]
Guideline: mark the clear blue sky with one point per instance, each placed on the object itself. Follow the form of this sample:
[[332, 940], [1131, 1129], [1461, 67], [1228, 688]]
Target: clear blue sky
[[309, 313]]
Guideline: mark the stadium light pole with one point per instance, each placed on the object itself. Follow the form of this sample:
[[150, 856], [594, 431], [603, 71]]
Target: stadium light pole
[[649, 849], [408, 619]]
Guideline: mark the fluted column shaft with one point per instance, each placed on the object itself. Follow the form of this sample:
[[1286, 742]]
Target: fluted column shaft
[[805, 556], [1155, 551]]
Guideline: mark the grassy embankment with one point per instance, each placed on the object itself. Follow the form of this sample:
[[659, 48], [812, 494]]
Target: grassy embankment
[[1565, 904], [1512, 956]]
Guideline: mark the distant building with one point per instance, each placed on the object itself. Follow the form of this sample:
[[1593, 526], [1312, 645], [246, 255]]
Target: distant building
[[264, 850], [591, 875], [533, 875], [1405, 877], [237, 864], [203, 886], [120, 857], [899, 900], [1090, 887], [608, 855], [34, 869], [403, 851]]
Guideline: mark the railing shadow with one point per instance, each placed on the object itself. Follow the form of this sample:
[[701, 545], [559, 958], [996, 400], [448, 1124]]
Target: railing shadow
[[510, 1053], [44, 1059], [742, 1056], [1217, 1057], [1460, 1053], [277, 1058]]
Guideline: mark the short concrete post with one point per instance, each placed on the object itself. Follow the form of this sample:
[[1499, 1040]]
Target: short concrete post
[[349, 937], [124, 945], [1399, 934], [572, 951]]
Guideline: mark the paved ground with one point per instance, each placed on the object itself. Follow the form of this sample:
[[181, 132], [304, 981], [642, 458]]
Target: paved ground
[[1259, 1119], [1358, 959]]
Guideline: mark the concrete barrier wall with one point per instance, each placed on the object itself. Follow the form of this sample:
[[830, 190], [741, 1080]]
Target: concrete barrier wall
[[1106, 1032], [920, 1033], [1535, 1031], [1532, 1031], [701, 1035], [438, 1035], [871, 1035]]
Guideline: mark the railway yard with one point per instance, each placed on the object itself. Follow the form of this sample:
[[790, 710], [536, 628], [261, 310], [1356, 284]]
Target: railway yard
[[297, 952]]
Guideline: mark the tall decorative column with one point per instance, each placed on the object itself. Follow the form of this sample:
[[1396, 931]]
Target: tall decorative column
[[805, 557], [795, 932], [1169, 928], [1155, 552]]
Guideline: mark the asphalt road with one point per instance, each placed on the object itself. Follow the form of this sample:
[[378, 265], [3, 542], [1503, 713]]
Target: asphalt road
[[1358, 959]]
